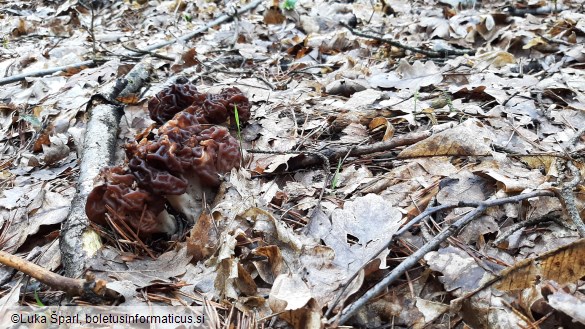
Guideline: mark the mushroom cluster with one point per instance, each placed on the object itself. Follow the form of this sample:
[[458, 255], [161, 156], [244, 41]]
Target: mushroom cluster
[[180, 165]]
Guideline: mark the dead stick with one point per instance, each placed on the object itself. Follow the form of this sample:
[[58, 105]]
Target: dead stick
[[73, 287], [413, 259], [334, 154], [77, 244], [221, 19], [40, 73], [429, 53]]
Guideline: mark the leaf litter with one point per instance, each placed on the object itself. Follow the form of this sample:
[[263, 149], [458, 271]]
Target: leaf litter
[[505, 118]]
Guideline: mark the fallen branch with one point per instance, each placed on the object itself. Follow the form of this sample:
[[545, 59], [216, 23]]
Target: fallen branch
[[568, 198], [73, 287], [138, 52], [40, 73], [310, 159], [429, 53], [31, 255], [76, 242], [410, 261]]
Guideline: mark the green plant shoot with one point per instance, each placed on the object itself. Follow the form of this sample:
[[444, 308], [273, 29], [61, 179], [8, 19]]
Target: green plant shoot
[[336, 176], [289, 4], [38, 300], [415, 100], [238, 126]]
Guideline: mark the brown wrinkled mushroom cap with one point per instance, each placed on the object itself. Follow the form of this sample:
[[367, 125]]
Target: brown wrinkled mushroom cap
[[153, 175], [120, 197], [172, 100], [208, 108], [217, 109], [234, 98], [184, 147]]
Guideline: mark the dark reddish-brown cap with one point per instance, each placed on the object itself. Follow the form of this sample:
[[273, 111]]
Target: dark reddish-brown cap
[[216, 109], [119, 196], [173, 99], [233, 99], [151, 163], [182, 148]]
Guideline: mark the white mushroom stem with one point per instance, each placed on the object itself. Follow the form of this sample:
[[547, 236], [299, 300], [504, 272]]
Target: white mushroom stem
[[167, 222], [191, 203]]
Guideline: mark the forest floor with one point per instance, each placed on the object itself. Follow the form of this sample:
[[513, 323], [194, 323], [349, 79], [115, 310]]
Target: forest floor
[[406, 164]]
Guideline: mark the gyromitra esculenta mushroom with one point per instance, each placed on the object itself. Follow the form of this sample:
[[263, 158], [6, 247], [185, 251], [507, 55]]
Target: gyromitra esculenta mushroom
[[120, 197], [219, 108], [190, 154], [208, 108], [172, 100], [181, 163]]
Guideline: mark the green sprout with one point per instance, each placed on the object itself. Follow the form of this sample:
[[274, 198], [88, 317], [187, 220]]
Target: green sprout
[[289, 4], [238, 125], [187, 17], [335, 179], [416, 96], [39, 302]]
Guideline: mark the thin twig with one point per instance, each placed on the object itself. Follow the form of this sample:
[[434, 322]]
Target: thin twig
[[144, 52], [550, 217], [40, 73], [334, 154], [221, 19], [568, 198], [413, 259], [326, 168], [429, 53]]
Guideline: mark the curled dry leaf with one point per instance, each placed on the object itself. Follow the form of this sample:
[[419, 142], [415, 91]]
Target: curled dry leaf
[[380, 121], [563, 265], [470, 138], [289, 292], [55, 152]]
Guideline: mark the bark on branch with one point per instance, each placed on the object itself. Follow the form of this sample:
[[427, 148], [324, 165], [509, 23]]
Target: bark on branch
[[73, 287]]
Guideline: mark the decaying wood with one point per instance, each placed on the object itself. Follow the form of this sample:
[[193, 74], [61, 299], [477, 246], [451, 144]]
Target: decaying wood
[[77, 243]]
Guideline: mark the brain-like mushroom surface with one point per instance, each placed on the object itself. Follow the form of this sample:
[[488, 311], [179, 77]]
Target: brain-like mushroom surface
[[183, 146], [184, 161], [172, 100], [119, 196], [181, 162], [219, 108]]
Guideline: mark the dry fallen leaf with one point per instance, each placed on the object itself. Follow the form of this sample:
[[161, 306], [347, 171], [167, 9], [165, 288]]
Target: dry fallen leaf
[[563, 265], [470, 138]]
